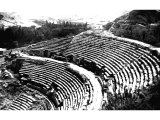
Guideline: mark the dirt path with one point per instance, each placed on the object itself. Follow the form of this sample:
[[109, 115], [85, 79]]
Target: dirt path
[[97, 93]]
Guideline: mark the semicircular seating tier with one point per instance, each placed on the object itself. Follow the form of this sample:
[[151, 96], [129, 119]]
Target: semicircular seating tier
[[71, 90], [53, 45], [133, 65], [29, 99]]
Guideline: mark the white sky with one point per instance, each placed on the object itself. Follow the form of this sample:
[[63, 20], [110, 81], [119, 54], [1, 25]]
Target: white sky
[[108, 9]]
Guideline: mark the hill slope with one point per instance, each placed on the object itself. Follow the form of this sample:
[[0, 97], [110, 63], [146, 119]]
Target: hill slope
[[142, 25]]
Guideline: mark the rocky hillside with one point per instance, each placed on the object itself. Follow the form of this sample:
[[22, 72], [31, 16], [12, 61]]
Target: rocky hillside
[[142, 25], [8, 19]]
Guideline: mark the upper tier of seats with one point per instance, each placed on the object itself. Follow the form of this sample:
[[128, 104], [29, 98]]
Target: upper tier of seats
[[132, 65], [54, 45]]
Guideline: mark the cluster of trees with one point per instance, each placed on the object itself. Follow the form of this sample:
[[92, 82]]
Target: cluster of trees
[[17, 36]]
